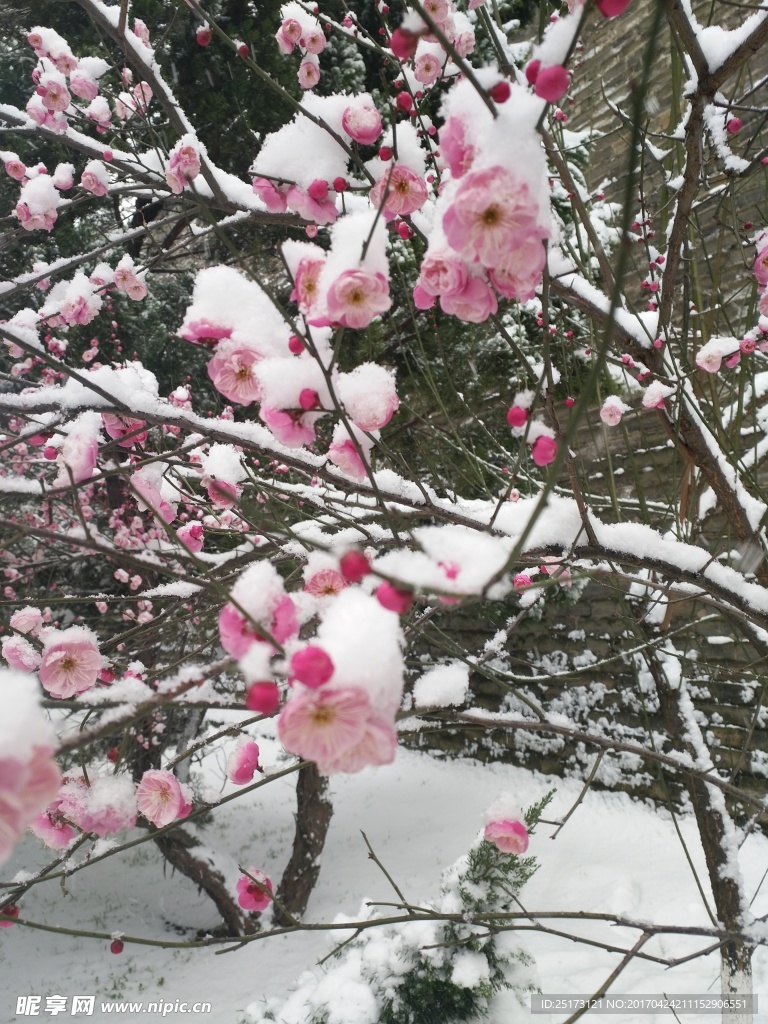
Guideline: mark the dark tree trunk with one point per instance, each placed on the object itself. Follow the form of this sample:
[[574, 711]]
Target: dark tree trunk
[[178, 849], [313, 818]]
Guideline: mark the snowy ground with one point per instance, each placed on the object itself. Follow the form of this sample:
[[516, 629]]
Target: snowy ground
[[420, 815]]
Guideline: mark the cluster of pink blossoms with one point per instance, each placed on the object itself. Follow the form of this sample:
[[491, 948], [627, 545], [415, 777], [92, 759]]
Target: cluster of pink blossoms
[[494, 213], [407, 41], [300, 29], [67, 660], [29, 776], [60, 76], [107, 803]]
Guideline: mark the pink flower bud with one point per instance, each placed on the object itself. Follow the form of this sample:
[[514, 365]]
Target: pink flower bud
[[532, 71], [501, 92], [544, 450], [404, 102], [312, 666], [394, 599], [733, 125], [263, 698], [403, 43], [517, 416], [552, 83], [612, 8], [318, 190], [309, 399], [509, 836], [354, 566]]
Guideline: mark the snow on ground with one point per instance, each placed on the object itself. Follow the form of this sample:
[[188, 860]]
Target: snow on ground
[[420, 814]]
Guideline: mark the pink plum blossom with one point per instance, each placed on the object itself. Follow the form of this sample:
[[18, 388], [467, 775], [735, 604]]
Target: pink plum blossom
[[53, 92], [27, 620], [15, 168], [438, 10], [291, 428], [509, 836], [427, 68], [305, 283], [284, 43], [291, 29], [324, 583], [491, 214], [63, 176], [77, 458], [71, 662], [377, 747], [127, 281], [183, 166], [320, 211], [356, 297], [231, 370], [53, 120], [95, 178], [26, 788], [309, 72], [20, 654], [344, 454], [314, 40], [103, 805], [369, 395], [99, 112], [272, 196], [612, 410], [236, 633], [161, 798], [118, 427], [204, 332], [151, 488], [320, 725], [221, 493], [51, 826], [463, 42], [84, 86], [474, 303], [243, 763], [362, 122], [455, 148], [520, 273], [399, 192], [249, 895], [191, 536], [761, 266], [443, 273]]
